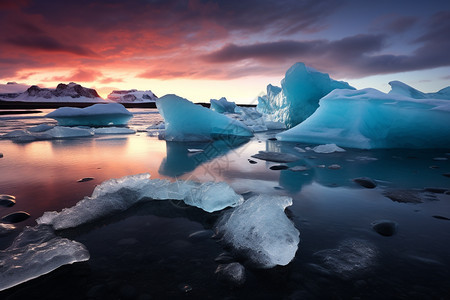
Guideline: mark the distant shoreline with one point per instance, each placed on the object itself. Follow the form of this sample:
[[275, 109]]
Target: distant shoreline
[[44, 105]]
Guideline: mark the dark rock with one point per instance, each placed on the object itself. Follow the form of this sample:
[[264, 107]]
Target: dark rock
[[365, 182], [385, 227], [224, 258], [272, 139], [1, 155], [446, 174], [233, 273], [436, 190], [85, 179], [252, 161], [403, 196], [441, 218], [279, 167], [7, 200], [16, 217]]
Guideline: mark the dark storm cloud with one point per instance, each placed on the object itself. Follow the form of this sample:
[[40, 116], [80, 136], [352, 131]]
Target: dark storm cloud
[[355, 56], [46, 43]]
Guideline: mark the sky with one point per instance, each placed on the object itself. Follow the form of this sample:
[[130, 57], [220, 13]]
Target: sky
[[203, 49]]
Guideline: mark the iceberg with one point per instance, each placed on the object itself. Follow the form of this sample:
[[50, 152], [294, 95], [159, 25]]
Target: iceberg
[[186, 121], [35, 252], [369, 119], [260, 228], [222, 105], [94, 115], [117, 195], [299, 95], [402, 89]]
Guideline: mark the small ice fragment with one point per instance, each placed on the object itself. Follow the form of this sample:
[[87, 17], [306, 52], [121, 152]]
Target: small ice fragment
[[299, 168], [260, 229], [334, 167], [35, 252], [232, 273], [276, 156], [301, 150], [114, 130], [327, 148], [193, 150], [440, 158]]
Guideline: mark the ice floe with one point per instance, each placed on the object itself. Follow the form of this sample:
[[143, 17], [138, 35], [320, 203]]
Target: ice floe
[[186, 121], [94, 115], [222, 105], [368, 119], [260, 228], [35, 252], [327, 148], [116, 195]]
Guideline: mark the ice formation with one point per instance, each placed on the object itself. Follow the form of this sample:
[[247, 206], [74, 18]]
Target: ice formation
[[35, 252], [260, 228], [299, 95], [116, 195], [370, 119], [54, 132], [94, 115], [402, 89], [327, 148], [186, 121], [132, 96], [222, 105]]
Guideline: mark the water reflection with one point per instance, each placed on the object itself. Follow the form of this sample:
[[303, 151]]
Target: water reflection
[[180, 160]]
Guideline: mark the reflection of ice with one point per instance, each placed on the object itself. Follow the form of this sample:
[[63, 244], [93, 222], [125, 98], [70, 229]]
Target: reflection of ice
[[37, 251], [179, 159]]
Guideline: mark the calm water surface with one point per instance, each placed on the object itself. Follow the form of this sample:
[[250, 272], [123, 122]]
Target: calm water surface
[[146, 252]]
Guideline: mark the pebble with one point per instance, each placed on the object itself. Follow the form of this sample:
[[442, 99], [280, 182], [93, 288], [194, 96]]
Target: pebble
[[279, 167], [365, 182], [334, 167], [16, 217], [233, 273], [385, 227], [85, 179]]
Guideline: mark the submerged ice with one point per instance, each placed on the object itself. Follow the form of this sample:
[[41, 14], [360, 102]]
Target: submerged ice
[[185, 121], [299, 95], [260, 228], [116, 195], [95, 115], [35, 252], [370, 119]]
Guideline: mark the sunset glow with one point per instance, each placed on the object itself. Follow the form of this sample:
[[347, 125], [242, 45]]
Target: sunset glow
[[209, 49]]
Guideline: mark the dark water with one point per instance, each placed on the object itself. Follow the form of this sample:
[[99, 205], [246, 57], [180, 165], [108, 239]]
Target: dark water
[[146, 252]]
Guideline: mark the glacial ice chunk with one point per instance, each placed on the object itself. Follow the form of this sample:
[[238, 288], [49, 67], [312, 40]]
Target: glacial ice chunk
[[222, 105], [35, 252], [260, 228], [301, 90], [117, 195], [402, 89], [327, 148], [186, 121], [55, 132], [94, 115], [370, 119]]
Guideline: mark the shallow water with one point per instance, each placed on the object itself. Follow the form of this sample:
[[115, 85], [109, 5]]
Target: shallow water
[[146, 252]]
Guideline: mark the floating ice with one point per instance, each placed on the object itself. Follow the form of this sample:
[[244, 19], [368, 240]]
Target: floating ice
[[222, 105], [94, 115], [35, 252], [116, 195], [56, 132], [276, 156], [260, 228], [371, 119], [114, 130], [327, 148], [186, 121], [402, 89], [40, 128], [299, 96]]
